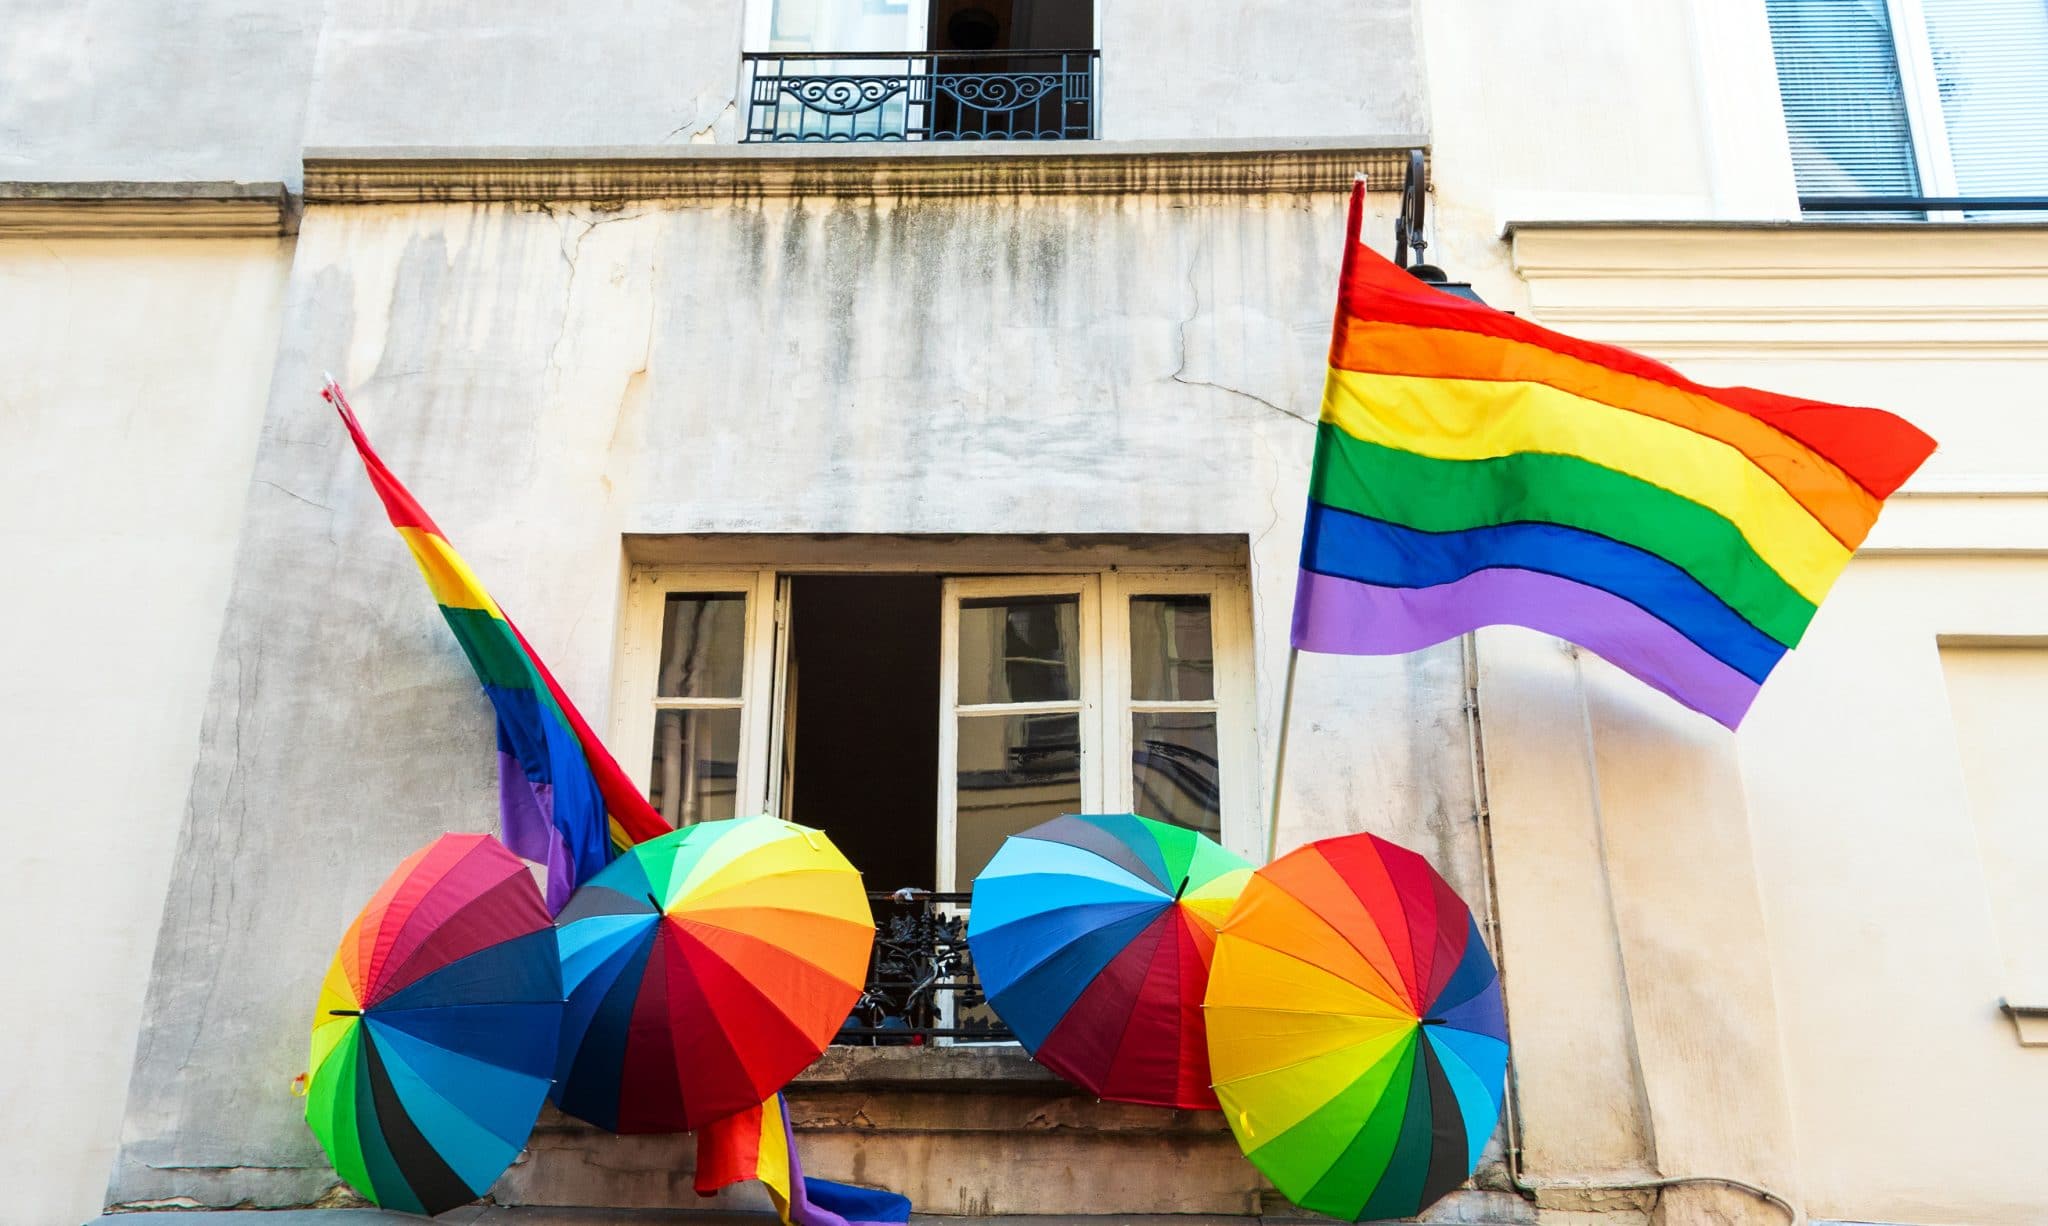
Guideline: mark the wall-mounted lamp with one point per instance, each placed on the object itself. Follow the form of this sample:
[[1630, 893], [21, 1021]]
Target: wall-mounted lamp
[[1408, 236]]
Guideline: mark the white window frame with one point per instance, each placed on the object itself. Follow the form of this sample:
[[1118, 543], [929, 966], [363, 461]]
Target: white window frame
[[1104, 699], [1087, 700], [1925, 120], [634, 701], [1230, 642]]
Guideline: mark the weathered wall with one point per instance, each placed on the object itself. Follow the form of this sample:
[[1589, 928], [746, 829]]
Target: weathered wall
[[234, 89], [140, 89], [128, 417], [549, 380]]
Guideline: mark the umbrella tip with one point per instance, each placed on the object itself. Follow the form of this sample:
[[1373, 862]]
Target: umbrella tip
[[1183, 887]]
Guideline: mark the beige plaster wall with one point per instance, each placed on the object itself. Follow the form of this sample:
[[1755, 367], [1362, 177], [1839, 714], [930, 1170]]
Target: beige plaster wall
[[135, 379], [1870, 930]]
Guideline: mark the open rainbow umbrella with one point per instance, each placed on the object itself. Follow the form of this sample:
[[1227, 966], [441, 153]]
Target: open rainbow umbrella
[[1092, 935], [434, 1037], [705, 968], [1355, 1029]]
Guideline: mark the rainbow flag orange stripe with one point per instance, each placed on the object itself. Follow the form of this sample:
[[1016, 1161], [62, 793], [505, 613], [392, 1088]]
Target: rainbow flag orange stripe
[[563, 801], [758, 1143], [1473, 469]]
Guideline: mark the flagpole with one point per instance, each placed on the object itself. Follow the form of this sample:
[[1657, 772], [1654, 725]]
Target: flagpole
[[1280, 756]]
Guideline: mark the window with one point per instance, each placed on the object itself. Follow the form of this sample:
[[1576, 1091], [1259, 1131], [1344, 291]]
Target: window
[[1905, 99], [690, 690], [904, 70], [922, 718], [1994, 690]]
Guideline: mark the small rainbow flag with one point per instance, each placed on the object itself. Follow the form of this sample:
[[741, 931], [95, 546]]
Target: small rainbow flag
[[557, 784], [1473, 469], [759, 1144]]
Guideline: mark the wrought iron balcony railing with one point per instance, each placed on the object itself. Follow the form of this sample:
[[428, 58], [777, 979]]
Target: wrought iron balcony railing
[[921, 982], [922, 96]]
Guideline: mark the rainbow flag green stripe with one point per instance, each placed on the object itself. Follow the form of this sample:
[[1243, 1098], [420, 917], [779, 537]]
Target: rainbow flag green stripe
[[1431, 495]]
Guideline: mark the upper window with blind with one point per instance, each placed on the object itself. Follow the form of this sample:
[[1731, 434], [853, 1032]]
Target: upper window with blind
[[1916, 108]]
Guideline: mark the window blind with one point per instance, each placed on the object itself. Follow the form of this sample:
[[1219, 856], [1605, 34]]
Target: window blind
[[1991, 65], [1845, 109]]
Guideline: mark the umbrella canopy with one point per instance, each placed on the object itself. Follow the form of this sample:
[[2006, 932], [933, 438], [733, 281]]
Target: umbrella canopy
[[1355, 1029], [705, 968], [434, 1037], [1092, 935]]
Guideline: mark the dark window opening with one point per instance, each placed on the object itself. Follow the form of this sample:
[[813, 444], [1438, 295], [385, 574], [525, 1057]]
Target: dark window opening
[[862, 720]]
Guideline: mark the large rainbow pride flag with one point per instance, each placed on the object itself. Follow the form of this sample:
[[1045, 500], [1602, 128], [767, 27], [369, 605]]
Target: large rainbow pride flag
[[1474, 469], [563, 802]]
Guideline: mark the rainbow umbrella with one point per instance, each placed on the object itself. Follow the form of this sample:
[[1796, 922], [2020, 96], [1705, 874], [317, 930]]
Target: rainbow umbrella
[[434, 1037], [705, 968], [1355, 1029], [1092, 935]]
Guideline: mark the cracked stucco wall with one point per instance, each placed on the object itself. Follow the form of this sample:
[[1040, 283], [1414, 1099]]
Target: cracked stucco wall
[[550, 379], [236, 89], [136, 373]]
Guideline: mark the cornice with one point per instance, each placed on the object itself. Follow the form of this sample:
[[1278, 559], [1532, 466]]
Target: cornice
[[1781, 250], [145, 210], [723, 172]]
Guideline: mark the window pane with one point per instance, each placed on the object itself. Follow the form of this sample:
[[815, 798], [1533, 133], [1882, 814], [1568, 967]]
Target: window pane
[[1015, 772], [696, 764], [839, 25], [1020, 649], [1991, 64], [1174, 769], [703, 636], [1845, 108], [1172, 658]]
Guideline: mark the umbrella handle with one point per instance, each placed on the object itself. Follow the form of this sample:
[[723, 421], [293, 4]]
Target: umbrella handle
[[300, 1084]]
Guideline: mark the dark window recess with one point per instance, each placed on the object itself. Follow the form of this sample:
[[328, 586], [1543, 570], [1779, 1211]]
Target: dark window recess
[[992, 70], [861, 750]]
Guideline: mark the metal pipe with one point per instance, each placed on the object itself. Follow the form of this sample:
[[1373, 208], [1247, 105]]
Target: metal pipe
[[1280, 757]]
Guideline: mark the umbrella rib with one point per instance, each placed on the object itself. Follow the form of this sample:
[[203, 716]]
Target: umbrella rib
[[1291, 956], [792, 954], [1321, 1055], [1131, 1014]]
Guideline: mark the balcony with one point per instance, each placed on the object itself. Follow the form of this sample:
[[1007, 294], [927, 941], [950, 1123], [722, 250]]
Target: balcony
[[922, 96], [921, 984]]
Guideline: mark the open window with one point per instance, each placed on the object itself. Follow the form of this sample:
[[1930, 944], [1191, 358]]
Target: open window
[[910, 70], [922, 715]]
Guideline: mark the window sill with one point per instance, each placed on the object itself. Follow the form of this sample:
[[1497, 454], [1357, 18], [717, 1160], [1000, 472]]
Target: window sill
[[2029, 1022], [987, 1067], [426, 175]]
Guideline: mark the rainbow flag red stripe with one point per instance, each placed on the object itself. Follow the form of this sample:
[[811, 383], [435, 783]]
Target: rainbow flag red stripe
[[759, 1144], [563, 801], [1474, 469]]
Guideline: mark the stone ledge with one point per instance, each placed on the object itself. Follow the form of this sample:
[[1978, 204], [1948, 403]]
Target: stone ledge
[[987, 1068], [136, 209], [724, 172]]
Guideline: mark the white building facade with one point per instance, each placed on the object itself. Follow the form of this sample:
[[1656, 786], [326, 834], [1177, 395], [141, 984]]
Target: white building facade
[[919, 489]]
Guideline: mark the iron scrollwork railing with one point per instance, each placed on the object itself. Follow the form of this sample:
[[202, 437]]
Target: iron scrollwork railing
[[921, 982], [921, 96]]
